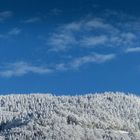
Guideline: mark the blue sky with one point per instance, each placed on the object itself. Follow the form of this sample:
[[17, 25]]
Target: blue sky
[[69, 47]]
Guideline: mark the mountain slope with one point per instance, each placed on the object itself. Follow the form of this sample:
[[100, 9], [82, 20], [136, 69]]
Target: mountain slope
[[106, 116]]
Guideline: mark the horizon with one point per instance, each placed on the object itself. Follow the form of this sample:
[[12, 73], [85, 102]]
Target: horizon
[[72, 94], [69, 47]]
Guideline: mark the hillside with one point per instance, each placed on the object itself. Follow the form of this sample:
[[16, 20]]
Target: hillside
[[106, 116]]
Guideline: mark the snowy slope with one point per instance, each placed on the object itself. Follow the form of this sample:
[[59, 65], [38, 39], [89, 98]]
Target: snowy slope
[[106, 116]]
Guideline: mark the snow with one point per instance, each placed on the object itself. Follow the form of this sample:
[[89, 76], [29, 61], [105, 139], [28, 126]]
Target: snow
[[105, 116]]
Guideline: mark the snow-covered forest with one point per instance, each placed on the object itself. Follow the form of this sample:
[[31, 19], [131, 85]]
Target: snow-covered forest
[[105, 116]]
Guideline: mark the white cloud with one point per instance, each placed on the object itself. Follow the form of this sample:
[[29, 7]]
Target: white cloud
[[123, 40], [55, 11], [14, 31], [131, 50], [98, 23], [94, 41], [80, 61], [95, 58], [5, 15], [74, 26], [61, 41], [128, 38], [90, 32], [32, 20], [22, 68]]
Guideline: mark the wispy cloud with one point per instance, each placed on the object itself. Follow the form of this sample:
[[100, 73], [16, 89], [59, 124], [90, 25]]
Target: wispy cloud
[[88, 59], [22, 68], [32, 20], [73, 26], [90, 32], [99, 23], [95, 58], [83, 40], [131, 50], [5, 15], [61, 42], [14, 31], [55, 11], [94, 40]]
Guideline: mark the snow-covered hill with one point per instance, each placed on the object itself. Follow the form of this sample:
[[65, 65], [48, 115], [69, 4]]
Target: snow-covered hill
[[106, 116]]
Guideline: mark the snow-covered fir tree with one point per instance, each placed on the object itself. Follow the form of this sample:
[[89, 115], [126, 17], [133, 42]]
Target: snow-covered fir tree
[[106, 116]]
